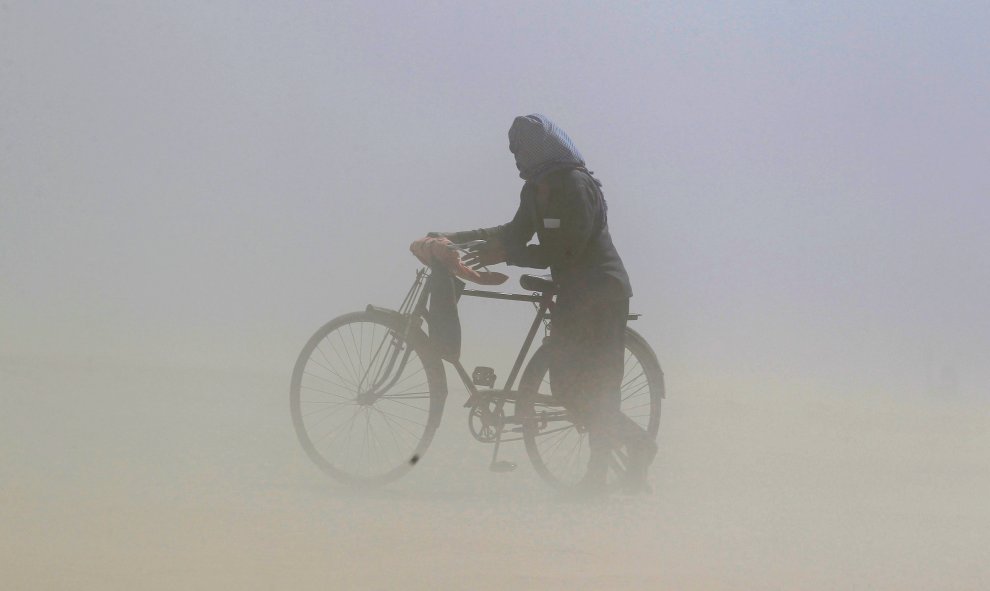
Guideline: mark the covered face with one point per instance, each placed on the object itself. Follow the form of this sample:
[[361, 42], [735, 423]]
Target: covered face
[[540, 146]]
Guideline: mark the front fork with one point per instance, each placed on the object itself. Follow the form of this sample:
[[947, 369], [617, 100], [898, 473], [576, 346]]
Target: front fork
[[386, 374]]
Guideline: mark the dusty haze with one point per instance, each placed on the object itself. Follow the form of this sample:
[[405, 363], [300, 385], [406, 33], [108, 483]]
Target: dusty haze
[[799, 193]]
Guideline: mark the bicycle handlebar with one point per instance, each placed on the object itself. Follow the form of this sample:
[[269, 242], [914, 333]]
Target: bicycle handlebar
[[467, 246]]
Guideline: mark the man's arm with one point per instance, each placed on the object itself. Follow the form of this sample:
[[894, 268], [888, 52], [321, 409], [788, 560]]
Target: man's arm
[[512, 236], [568, 222], [470, 235]]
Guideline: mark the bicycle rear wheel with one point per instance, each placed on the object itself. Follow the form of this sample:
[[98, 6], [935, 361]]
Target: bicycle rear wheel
[[556, 445], [366, 398]]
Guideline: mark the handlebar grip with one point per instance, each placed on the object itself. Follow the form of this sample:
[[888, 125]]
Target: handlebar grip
[[466, 245]]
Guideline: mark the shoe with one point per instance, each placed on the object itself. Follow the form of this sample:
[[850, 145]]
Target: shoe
[[634, 482]]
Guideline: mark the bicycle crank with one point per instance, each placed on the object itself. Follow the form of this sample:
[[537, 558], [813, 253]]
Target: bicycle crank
[[498, 415], [484, 420]]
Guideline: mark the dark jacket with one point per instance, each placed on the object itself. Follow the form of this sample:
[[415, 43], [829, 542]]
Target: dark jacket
[[572, 226]]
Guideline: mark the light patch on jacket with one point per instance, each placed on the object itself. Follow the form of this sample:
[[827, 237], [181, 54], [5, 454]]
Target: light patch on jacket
[[551, 223]]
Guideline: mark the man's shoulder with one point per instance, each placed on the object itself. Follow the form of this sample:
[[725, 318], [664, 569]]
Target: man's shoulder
[[568, 179]]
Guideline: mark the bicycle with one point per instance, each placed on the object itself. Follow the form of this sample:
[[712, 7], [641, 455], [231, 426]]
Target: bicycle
[[368, 391]]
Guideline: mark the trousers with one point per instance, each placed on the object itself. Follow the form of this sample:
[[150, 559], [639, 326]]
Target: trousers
[[586, 369]]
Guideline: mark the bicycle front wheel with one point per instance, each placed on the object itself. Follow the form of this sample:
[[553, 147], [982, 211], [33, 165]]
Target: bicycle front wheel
[[366, 398], [557, 446]]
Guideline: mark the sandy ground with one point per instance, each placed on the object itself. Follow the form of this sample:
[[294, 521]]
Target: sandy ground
[[116, 477]]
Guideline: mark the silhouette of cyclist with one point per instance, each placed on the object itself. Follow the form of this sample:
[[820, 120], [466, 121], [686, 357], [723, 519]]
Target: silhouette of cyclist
[[562, 203]]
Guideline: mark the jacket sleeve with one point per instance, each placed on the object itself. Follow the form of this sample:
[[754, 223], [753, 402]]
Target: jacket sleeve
[[568, 221], [469, 235], [513, 235]]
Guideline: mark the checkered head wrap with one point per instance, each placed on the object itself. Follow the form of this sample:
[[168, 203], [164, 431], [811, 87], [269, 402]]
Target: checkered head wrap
[[540, 146]]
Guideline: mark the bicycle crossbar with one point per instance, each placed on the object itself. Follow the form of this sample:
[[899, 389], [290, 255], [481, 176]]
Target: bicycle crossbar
[[547, 316], [520, 297], [497, 295]]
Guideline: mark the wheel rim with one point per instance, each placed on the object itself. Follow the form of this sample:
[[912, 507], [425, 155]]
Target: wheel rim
[[636, 392], [561, 445], [357, 416], [560, 449]]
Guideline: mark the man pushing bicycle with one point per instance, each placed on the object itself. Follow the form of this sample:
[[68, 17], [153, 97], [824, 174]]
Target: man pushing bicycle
[[562, 203]]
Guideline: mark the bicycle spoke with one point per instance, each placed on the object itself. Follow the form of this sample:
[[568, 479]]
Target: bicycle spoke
[[360, 348], [312, 425], [543, 439], [421, 368], [391, 433], [632, 366], [325, 409], [325, 392], [383, 455], [363, 441], [393, 427], [558, 443], [574, 455], [642, 373], [561, 434], [337, 428], [324, 379], [328, 368], [409, 396], [647, 403], [374, 359], [637, 390], [398, 425], [355, 370], [350, 426], [569, 425], [367, 447], [395, 416], [346, 364], [560, 449], [550, 453], [350, 329], [409, 405]]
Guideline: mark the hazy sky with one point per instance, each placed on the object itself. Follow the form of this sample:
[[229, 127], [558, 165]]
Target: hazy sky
[[799, 190]]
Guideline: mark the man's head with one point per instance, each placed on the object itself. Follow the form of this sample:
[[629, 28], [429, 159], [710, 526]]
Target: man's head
[[540, 146]]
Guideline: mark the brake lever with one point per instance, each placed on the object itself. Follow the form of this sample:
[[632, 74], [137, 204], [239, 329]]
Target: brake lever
[[467, 246]]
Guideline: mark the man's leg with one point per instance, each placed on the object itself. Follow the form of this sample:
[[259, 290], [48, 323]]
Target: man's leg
[[621, 429], [586, 373], [575, 375]]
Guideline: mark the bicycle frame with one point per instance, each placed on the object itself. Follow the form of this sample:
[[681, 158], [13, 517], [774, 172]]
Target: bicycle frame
[[520, 410], [414, 307]]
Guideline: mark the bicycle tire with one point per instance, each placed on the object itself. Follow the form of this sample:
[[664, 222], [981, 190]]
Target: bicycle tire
[[333, 386], [538, 409]]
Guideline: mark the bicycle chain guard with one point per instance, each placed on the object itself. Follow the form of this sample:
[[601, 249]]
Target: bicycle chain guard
[[483, 420]]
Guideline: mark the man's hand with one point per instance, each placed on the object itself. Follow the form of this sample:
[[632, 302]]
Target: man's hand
[[425, 249], [435, 251], [489, 253]]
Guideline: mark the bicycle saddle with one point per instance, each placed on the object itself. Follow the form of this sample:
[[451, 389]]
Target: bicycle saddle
[[537, 283]]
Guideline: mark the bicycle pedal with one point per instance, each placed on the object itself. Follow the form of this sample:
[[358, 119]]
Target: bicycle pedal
[[483, 376], [502, 466]]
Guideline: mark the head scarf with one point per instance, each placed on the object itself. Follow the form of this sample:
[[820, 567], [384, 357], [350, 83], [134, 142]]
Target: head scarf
[[541, 147]]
